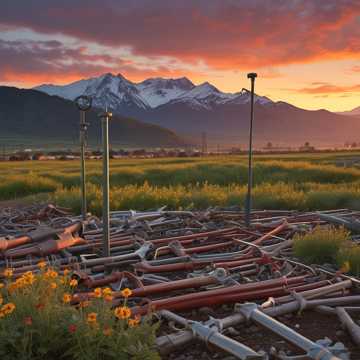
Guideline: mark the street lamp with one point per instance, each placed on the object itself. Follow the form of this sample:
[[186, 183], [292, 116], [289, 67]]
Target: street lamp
[[252, 77], [105, 116], [83, 103]]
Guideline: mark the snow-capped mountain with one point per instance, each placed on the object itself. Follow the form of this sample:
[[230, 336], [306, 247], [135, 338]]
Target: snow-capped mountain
[[118, 94], [189, 109]]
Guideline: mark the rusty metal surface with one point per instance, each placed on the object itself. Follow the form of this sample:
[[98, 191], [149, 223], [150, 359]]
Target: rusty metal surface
[[181, 262]]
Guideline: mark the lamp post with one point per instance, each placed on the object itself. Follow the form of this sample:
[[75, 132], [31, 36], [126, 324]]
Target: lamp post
[[248, 204], [105, 116], [83, 103]]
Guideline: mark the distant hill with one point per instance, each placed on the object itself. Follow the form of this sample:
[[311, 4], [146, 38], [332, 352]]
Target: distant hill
[[189, 109], [31, 114], [355, 111]]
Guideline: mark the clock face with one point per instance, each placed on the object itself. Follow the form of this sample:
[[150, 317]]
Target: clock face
[[83, 102]]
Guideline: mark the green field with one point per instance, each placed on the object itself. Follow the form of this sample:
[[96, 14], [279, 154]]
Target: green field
[[290, 181]]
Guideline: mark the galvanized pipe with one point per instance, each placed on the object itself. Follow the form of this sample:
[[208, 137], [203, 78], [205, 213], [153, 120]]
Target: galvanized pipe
[[212, 335], [106, 200], [313, 350], [248, 206]]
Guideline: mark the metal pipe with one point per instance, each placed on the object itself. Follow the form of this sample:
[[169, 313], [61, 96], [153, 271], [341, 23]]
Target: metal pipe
[[106, 200], [314, 351], [212, 335], [251, 76], [349, 324], [82, 161], [168, 343]]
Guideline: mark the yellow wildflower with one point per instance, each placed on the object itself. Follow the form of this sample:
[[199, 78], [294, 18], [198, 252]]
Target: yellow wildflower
[[53, 285], [345, 267], [91, 318], [107, 291], [66, 272], [122, 312], [73, 283], [66, 298], [126, 292], [42, 265], [51, 274], [8, 308], [84, 304], [1, 285], [8, 272], [97, 292], [108, 298], [133, 322], [28, 278]]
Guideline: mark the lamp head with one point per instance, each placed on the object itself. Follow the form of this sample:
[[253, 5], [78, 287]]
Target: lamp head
[[83, 102], [252, 75]]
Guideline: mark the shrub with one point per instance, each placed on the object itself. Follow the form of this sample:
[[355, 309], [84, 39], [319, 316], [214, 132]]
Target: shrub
[[38, 322], [348, 259], [322, 245]]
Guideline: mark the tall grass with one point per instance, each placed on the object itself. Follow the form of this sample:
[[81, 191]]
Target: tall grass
[[322, 245], [16, 186], [289, 183]]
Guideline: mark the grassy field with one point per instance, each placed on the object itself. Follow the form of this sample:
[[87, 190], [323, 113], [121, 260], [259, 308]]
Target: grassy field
[[290, 181]]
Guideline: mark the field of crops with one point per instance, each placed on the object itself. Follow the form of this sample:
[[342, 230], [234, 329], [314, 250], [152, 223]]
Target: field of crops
[[307, 182]]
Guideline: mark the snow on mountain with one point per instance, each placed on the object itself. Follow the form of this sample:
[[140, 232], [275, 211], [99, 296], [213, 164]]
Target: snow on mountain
[[203, 96], [117, 93], [158, 91], [70, 91]]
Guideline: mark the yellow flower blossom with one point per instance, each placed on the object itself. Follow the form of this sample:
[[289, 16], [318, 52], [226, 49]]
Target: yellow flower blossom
[[91, 318], [73, 283], [8, 308], [8, 272], [42, 265], [84, 304], [97, 292], [53, 285], [122, 312], [51, 274], [66, 272], [28, 278], [108, 298], [133, 322], [1, 285], [126, 292], [66, 298], [107, 291]]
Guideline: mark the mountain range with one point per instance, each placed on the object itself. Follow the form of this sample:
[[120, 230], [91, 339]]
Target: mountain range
[[353, 112], [190, 110], [33, 117]]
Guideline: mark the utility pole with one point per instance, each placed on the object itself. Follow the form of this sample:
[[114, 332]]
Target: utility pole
[[83, 103], [248, 204], [203, 143], [105, 116]]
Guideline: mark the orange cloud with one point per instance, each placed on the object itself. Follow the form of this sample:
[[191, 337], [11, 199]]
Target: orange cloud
[[224, 34], [326, 88]]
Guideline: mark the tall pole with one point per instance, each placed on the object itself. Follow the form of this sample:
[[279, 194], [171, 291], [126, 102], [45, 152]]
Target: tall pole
[[83, 103], [82, 160], [106, 201], [248, 204]]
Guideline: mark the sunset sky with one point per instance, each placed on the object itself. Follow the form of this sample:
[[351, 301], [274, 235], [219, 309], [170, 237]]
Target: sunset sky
[[306, 52]]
